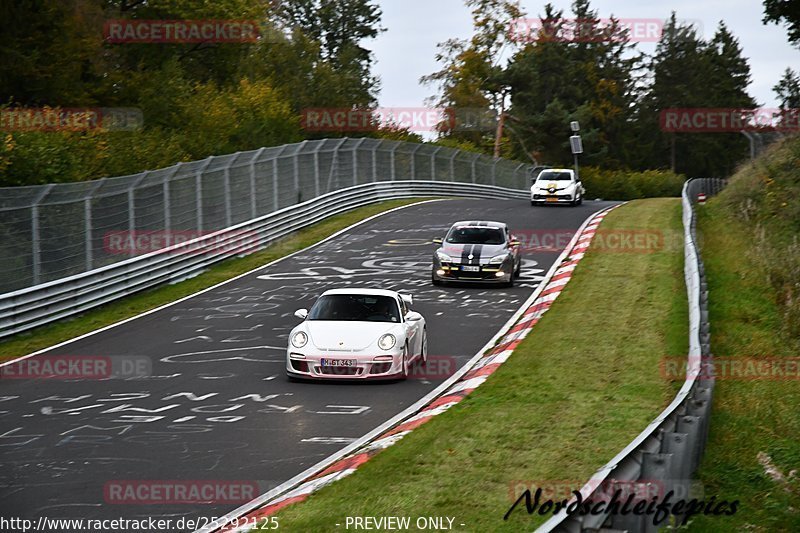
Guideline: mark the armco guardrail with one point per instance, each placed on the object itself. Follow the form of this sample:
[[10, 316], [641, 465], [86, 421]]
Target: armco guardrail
[[665, 455], [27, 308], [50, 232]]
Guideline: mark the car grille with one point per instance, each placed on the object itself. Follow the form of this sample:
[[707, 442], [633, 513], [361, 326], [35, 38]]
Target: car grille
[[338, 370]]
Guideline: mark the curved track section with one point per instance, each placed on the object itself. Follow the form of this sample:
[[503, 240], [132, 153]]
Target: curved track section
[[211, 402]]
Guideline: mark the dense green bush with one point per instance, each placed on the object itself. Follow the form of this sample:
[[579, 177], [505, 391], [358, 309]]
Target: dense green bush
[[209, 122], [630, 185]]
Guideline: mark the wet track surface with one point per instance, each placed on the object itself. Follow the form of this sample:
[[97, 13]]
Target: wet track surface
[[215, 404]]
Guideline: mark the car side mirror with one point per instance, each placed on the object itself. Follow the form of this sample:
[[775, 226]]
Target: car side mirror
[[438, 240], [413, 316], [301, 313]]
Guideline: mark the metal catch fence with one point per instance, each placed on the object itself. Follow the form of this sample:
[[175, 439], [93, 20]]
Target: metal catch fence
[[50, 232]]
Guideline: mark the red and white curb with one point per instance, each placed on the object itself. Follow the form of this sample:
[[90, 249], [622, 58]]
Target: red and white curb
[[468, 382]]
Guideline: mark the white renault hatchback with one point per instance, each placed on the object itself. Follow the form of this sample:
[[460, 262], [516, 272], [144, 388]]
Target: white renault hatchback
[[557, 186], [357, 334]]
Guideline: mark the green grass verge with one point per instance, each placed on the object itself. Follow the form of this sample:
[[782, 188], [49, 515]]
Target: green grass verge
[[61, 331], [577, 391], [748, 417]]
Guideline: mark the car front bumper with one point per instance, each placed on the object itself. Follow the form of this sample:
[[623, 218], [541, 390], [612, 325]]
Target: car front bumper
[[552, 198], [487, 273], [308, 365]]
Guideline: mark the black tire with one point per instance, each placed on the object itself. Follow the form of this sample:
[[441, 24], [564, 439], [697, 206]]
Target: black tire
[[533, 204], [580, 200], [518, 271], [405, 373], [436, 282], [423, 357]]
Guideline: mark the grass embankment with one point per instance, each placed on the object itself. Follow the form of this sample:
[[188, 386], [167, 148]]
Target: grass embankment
[[749, 245], [45, 336], [578, 390]]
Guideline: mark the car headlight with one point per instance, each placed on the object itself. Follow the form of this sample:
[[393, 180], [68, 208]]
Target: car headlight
[[387, 342], [498, 259], [443, 256], [299, 339]]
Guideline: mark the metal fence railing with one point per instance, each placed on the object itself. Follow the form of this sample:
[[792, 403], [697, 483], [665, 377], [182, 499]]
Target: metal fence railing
[[50, 232], [664, 456]]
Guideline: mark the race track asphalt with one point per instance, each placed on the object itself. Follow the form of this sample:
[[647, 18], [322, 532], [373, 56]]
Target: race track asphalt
[[207, 399]]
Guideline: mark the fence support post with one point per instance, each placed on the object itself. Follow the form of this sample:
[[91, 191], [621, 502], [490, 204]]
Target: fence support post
[[227, 185], [691, 426], [320, 144], [676, 444], [525, 185], [375, 162], [167, 199], [87, 219], [433, 162], [296, 165], [132, 203], [36, 242], [656, 468], [474, 171], [355, 160], [453, 166], [414, 161], [198, 192], [392, 162], [275, 195], [253, 188]]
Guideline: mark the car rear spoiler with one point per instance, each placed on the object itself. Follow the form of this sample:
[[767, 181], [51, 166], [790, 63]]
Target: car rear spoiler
[[407, 298]]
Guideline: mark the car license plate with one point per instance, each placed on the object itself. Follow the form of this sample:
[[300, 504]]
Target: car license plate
[[338, 362], [471, 268], [551, 199]]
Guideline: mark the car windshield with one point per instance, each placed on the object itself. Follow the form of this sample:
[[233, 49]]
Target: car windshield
[[355, 307], [555, 176], [475, 235]]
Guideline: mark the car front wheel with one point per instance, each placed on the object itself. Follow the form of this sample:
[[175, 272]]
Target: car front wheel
[[423, 356], [405, 363]]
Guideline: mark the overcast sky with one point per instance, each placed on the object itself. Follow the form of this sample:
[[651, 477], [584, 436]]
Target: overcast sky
[[414, 27]]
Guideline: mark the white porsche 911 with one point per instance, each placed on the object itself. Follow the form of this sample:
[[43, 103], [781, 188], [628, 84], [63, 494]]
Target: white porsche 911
[[357, 334]]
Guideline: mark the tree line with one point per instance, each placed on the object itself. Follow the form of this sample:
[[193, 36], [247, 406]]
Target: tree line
[[578, 67], [206, 98]]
